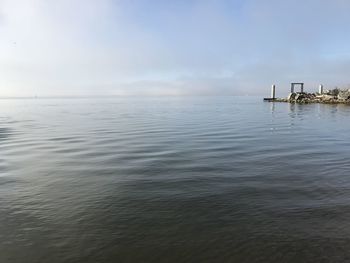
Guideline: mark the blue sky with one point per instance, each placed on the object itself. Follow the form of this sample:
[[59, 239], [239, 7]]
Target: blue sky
[[146, 48]]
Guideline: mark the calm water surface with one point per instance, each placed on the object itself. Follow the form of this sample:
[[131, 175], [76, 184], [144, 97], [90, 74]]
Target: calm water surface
[[173, 180]]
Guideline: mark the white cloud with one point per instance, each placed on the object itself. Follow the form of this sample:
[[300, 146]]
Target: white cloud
[[197, 47]]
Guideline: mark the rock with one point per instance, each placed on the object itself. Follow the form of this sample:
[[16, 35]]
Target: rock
[[299, 96], [344, 95], [333, 92], [334, 96], [326, 97], [291, 96]]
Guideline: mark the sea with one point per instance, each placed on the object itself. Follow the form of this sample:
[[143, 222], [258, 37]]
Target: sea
[[173, 179]]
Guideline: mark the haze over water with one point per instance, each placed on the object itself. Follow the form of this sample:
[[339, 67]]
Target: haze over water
[[196, 179]]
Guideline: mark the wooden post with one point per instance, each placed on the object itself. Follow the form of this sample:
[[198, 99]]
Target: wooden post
[[302, 88], [273, 91], [292, 88], [320, 89]]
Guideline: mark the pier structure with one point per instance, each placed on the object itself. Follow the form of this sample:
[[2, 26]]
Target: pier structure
[[335, 96], [273, 94], [293, 84], [320, 89]]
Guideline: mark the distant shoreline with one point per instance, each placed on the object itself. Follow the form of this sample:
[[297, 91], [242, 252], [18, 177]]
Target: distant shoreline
[[335, 96]]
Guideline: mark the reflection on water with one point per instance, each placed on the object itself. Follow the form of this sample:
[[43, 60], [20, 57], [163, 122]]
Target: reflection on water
[[4, 133], [173, 180]]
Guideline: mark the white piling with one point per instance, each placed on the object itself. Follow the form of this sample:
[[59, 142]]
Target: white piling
[[320, 89], [273, 91]]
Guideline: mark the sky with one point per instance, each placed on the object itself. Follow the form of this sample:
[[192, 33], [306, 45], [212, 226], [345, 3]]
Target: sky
[[171, 48]]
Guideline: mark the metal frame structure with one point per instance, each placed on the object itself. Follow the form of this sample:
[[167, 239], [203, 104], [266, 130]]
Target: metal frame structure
[[293, 84]]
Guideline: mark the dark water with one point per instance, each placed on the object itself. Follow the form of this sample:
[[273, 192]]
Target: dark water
[[173, 180]]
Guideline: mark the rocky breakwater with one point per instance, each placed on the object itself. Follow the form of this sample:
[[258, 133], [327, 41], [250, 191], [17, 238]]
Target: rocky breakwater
[[335, 96]]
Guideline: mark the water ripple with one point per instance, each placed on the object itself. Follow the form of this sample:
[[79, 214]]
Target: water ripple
[[173, 180]]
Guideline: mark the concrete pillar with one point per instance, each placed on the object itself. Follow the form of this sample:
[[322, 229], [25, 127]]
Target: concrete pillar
[[273, 91], [320, 89]]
